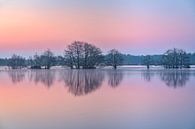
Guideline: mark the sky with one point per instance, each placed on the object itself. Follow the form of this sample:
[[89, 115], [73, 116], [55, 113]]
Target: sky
[[131, 26]]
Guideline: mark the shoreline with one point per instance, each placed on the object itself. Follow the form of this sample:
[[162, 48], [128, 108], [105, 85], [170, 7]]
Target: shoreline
[[124, 67]]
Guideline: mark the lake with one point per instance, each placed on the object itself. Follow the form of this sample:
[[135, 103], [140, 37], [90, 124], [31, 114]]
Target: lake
[[130, 98]]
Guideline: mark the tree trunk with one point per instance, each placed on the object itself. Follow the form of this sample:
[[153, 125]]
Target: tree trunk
[[115, 67], [148, 66]]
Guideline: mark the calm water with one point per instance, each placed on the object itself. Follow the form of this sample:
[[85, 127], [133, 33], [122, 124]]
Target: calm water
[[97, 99]]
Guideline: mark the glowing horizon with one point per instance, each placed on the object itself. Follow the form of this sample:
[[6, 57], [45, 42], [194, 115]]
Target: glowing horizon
[[133, 26]]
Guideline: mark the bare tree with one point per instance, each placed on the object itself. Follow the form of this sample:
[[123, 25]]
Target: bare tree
[[82, 54], [114, 58], [36, 62], [147, 61], [69, 58], [75, 51], [176, 58], [47, 59], [92, 56], [17, 62]]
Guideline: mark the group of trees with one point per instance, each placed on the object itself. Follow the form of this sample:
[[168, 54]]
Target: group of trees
[[16, 62], [147, 61], [87, 56], [114, 58], [176, 58], [82, 55], [77, 55], [46, 60], [171, 59]]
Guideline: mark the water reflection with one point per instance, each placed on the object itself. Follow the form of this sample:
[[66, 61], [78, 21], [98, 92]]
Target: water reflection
[[172, 78], [131, 104], [17, 76], [147, 75], [115, 77], [82, 82], [46, 77], [175, 78]]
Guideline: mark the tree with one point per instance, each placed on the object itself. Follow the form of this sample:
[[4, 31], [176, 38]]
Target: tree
[[114, 58], [147, 61], [176, 58], [17, 62], [92, 56], [47, 59], [81, 54], [60, 61], [184, 59], [69, 58], [75, 53], [36, 62]]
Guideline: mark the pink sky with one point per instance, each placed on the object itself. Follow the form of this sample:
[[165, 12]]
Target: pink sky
[[29, 28]]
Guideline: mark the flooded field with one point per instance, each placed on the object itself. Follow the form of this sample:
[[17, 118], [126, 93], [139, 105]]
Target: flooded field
[[97, 99]]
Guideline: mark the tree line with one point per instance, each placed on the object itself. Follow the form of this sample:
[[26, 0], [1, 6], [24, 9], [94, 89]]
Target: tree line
[[83, 55], [171, 59]]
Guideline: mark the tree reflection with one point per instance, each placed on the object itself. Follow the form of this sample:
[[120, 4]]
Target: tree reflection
[[147, 75], [82, 82], [115, 77], [17, 76], [175, 78], [46, 77]]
